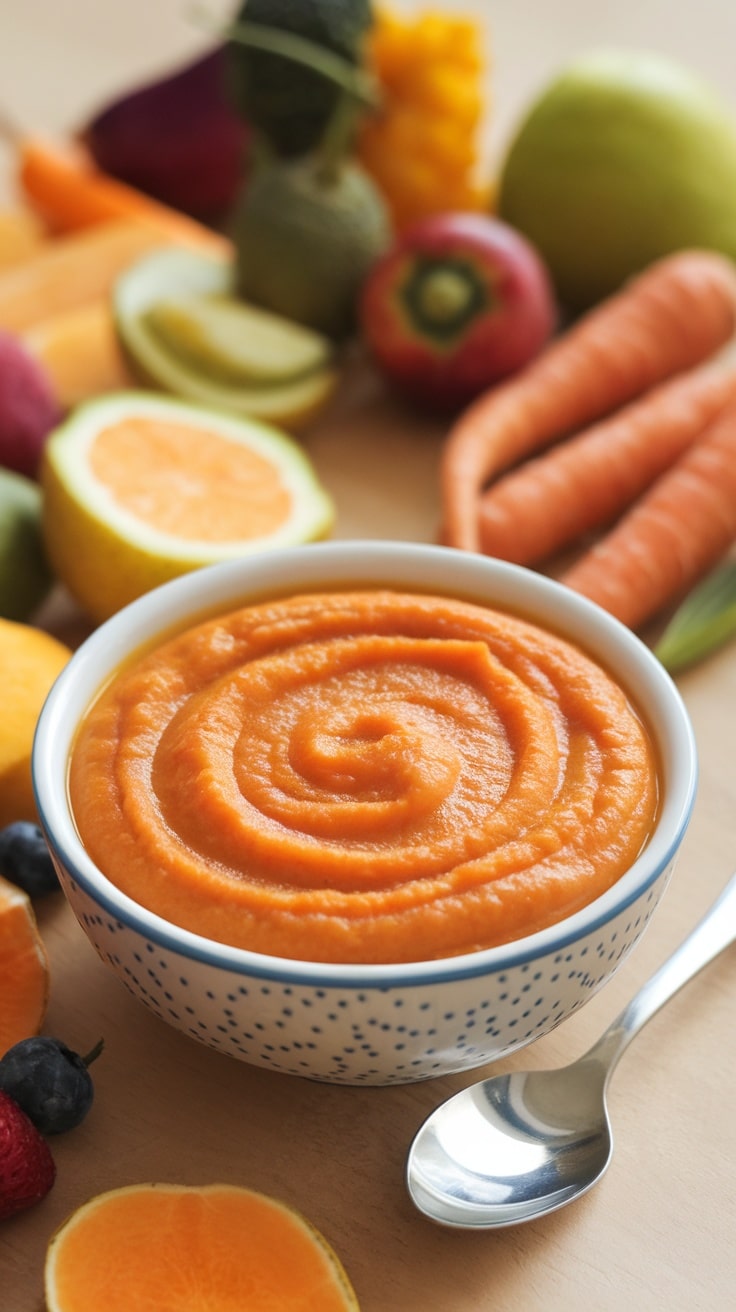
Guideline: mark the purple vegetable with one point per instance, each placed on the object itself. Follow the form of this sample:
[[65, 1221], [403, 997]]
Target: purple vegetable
[[178, 139]]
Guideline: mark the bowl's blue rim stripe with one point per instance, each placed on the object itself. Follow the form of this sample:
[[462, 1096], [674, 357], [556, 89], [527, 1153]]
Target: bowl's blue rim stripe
[[415, 974]]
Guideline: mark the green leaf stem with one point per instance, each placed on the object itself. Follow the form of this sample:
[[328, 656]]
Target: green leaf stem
[[705, 620]]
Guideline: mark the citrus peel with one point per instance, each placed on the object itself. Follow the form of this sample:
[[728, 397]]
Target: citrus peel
[[24, 968], [30, 660], [181, 1248], [288, 397], [139, 489]]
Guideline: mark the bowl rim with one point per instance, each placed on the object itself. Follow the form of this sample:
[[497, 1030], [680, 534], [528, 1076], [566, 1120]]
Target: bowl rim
[[365, 562]]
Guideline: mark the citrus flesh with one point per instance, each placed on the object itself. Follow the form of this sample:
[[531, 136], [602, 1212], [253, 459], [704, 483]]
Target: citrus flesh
[[24, 968], [186, 333], [179, 1248], [30, 660], [139, 489]]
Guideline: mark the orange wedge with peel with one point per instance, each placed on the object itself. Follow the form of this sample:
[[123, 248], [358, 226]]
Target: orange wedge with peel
[[24, 968], [30, 661], [180, 1248], [139, 489]]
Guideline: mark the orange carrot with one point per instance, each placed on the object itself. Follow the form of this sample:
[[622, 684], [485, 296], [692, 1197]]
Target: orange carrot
[[671, 537], [585, 482], [69, 192], [673, 316]]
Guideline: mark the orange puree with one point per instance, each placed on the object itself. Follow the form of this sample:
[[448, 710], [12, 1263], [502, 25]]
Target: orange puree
[[364, 777]]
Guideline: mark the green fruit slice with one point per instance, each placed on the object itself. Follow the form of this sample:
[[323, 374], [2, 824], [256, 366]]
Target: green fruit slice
[[175, 313], [236, 343], [25, 576]]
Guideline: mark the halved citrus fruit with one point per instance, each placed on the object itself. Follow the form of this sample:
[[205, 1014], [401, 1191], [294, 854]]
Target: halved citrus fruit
[[139, 489], [24, 968], [185, 331], [180, 1248], [30, 660]]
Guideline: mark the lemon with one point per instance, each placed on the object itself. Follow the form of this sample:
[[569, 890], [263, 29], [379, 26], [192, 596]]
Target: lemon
[[30, 660], [186, 332], [140, 488]]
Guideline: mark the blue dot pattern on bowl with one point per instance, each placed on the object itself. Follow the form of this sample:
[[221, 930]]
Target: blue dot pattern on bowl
[[352, 1036]]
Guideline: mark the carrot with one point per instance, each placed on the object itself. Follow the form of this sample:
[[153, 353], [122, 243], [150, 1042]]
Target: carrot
[[70, 192], [674, 315], [582, 484], [671, 537]]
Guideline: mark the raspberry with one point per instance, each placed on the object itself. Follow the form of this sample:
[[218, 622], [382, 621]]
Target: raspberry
[[27, 1169]]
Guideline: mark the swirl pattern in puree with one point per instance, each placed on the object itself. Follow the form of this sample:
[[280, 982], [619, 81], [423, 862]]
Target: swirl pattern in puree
[[366, 776]]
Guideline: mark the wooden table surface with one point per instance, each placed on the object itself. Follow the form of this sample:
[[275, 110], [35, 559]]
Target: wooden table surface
[[658, 1232]]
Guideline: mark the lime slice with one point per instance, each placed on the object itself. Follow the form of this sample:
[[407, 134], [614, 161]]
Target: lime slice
[[174, 311], [138, 489], [236, 343]]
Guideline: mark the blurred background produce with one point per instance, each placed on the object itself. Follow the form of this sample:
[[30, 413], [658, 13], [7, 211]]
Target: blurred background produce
[[624, 157], [423, 144], [458, 302], [178, 138], [288, 166]]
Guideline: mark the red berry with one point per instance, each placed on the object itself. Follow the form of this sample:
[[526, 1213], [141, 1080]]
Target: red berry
[[27, 1169], [28, 407]]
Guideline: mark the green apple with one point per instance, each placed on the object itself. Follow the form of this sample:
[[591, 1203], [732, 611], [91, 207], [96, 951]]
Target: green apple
[[25, 576], [624, 158]]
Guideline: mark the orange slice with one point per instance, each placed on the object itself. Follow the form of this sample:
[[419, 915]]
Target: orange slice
[[179, 1248], [30, 661], [139, 489], [24, 968], [80, 352]]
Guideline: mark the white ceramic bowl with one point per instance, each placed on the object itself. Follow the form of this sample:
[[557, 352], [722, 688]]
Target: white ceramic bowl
[[349, 1024]]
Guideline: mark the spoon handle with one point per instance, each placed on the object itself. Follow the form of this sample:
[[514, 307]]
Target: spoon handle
[[714, 932]]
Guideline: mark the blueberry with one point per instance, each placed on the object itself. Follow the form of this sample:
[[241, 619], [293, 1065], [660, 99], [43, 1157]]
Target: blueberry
[[49, 1082], [25, 858]]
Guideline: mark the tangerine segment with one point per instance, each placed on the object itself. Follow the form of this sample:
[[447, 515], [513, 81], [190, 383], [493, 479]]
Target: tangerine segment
[[24, 968], [184, 1248]]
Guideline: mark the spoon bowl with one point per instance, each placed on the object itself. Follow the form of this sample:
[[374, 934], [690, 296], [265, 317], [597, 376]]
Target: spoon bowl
[[513, 1147], [518, 1146]]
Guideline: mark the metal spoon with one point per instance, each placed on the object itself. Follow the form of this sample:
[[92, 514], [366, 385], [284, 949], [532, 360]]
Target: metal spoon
[[515, 1147]]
